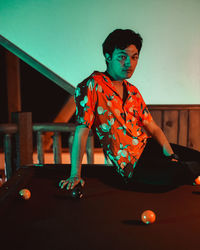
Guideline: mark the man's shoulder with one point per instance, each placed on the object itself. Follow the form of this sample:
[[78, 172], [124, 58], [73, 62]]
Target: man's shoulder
[[95, 78]]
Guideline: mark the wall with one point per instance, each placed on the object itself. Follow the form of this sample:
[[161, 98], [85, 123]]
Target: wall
[[66, 37]]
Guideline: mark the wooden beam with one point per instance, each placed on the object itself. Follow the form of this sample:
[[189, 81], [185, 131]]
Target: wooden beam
[[24, 138], [37, 65], [13, 84], [64, 115], [67, 111]]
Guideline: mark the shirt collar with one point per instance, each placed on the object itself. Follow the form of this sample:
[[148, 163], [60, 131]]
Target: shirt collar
[[106, 80]]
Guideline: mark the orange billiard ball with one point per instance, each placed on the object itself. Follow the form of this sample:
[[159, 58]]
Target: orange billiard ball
[[25, 194], [197, 180], [148, 217]]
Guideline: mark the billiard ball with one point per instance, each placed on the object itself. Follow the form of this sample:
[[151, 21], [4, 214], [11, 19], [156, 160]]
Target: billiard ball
[[76, 192], [197, 180], [25, 194], [148, 217]]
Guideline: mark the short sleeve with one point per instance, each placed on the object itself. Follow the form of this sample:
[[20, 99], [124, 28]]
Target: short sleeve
[[85, 99], [144, 114]]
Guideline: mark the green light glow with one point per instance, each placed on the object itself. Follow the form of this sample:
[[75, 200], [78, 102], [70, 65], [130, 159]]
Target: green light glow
[[66, 37]]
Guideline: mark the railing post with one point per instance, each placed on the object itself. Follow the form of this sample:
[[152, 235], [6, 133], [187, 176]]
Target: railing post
[[40, 150], [24, 138], [7, 151], [57, 147]]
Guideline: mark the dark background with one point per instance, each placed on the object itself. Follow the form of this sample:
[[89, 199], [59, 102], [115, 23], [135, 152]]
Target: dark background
[[39, 95]]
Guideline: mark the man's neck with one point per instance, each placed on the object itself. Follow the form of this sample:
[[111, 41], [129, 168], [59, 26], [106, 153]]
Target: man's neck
[[114, 81]]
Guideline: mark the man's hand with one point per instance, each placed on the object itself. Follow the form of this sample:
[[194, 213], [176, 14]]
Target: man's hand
[[173, 157], [156, 132], [174, 160], [71, 182]]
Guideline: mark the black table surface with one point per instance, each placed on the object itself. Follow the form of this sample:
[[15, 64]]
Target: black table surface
[[107, 217]]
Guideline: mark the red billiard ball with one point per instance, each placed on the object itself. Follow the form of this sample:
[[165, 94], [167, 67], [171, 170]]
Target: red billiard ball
[[197, 180], [25, 194], [148, 217]]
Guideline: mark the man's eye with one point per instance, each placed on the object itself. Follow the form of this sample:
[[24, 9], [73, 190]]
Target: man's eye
[[135, 58], [122, 57]]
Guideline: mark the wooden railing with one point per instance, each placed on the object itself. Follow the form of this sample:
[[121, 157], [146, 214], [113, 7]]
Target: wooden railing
[[8, 130], [180, 123], [23, 131], [57, 129]]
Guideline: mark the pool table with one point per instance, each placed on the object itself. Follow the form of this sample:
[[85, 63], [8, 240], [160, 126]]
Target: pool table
[[108, 215]]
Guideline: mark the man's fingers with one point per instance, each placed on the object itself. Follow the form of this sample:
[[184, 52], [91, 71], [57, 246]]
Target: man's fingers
[[61, 183], [82, 182], [73, 185], [76, 183], [174, 160], [65, 183], [70, 183]]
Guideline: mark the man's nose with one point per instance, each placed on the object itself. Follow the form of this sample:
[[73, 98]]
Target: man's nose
[[128, 62]]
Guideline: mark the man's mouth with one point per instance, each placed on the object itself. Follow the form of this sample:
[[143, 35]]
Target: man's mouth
[[128, 70]]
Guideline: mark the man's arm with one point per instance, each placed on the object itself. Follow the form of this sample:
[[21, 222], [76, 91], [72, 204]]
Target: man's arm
[[78, 149], [157, 133]]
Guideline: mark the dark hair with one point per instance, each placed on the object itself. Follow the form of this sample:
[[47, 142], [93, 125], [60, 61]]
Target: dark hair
[[121, 39]]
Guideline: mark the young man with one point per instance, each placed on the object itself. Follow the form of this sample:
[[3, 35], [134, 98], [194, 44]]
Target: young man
[[113, 107]]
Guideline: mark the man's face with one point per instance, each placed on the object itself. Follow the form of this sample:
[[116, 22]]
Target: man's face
[[122, 63]]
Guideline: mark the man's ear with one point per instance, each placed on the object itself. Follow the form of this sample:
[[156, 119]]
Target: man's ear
[[108, 57]]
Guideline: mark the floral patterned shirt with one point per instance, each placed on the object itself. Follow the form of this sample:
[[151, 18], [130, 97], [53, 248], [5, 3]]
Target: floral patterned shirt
[[117, 124]]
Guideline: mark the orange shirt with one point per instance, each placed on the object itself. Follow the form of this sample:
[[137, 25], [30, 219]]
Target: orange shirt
[[118, 125]]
